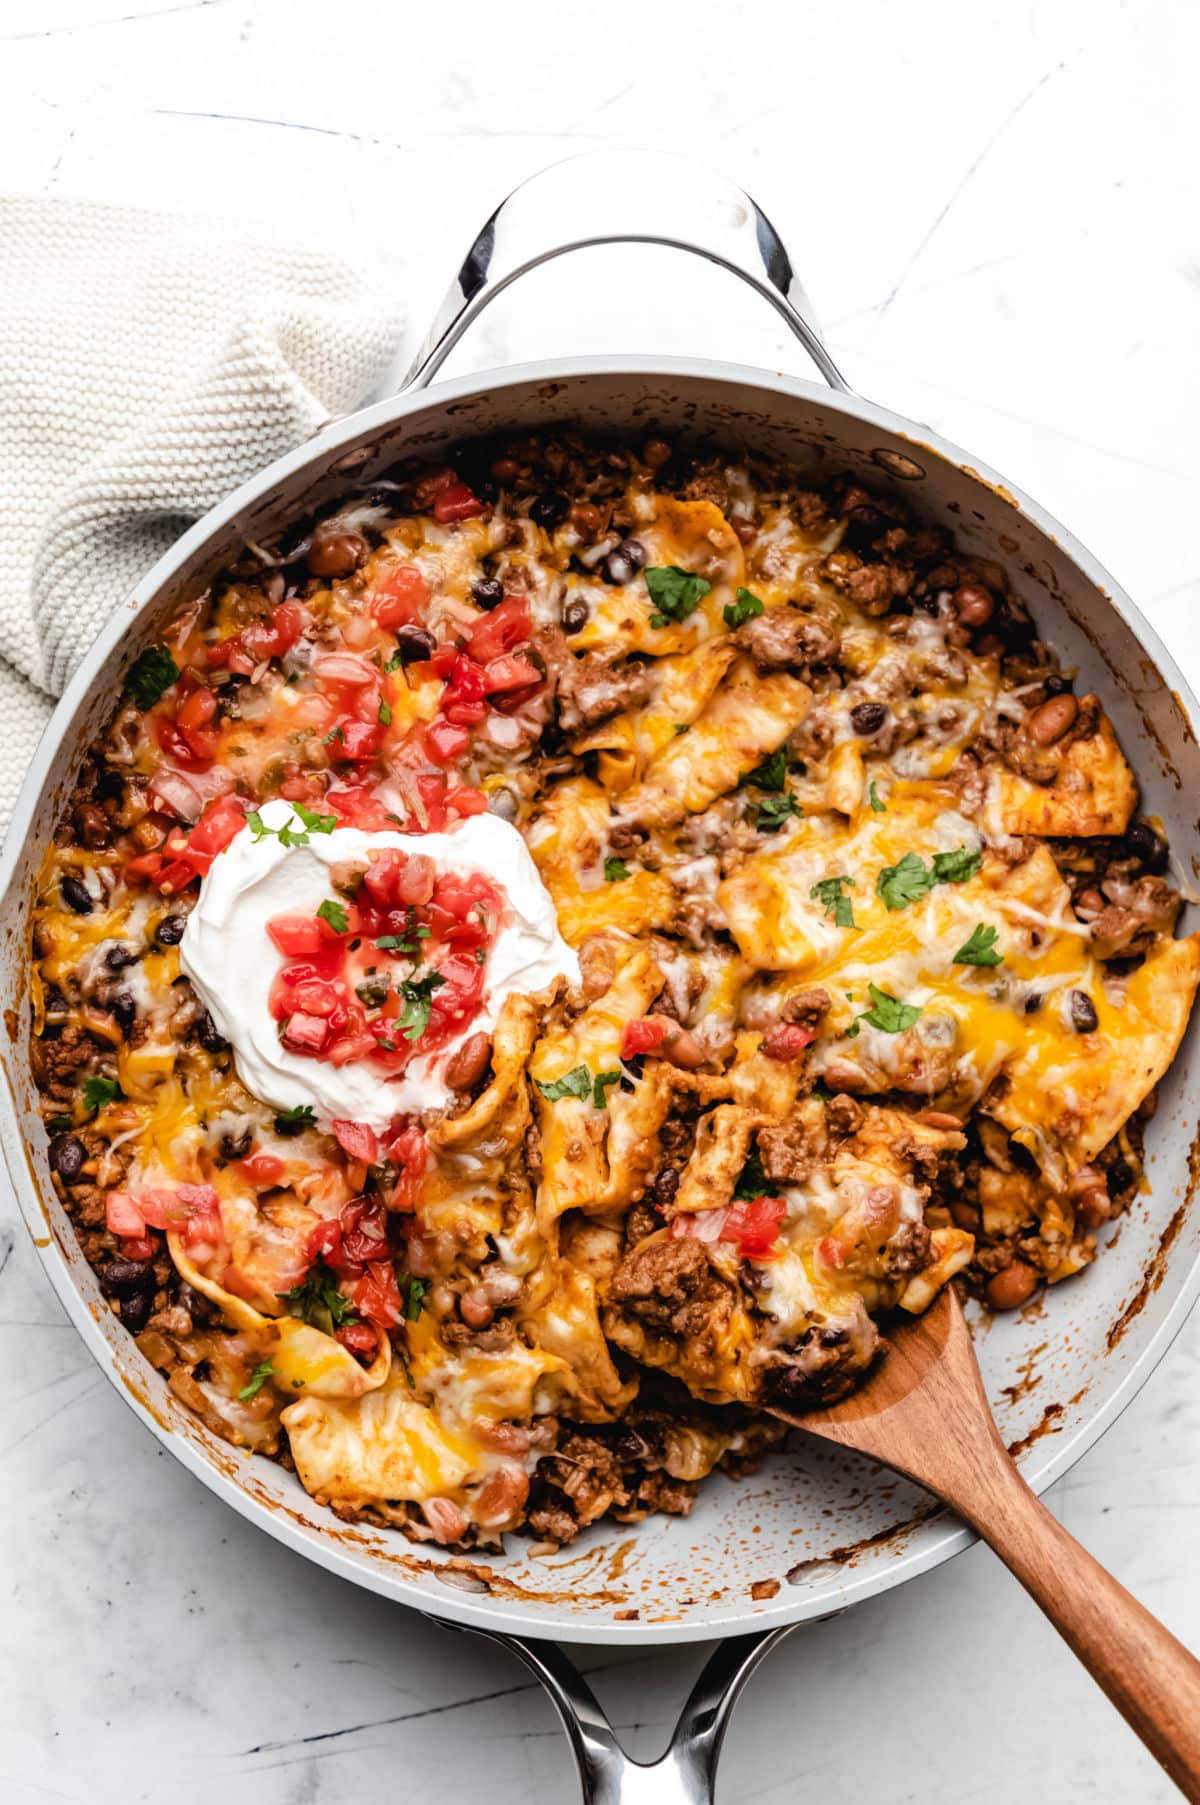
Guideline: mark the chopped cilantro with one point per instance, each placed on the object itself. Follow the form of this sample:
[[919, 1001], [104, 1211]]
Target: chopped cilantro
[[151, 675], [877, 807], [771, 774], [418, 1001], [317, 1300], [337, 734], [770, 815], [98, 1093], [831, 894], [600, 1088], [615, 870], [675, 593], [905, 883], [577, 1083], [888, 1013], [406, 942], [753, 1180], [385, 714], [744, 607], [372, 993], [296, 830], [258, 1379], [957, 866], [682, 726], [819, 1090], [413, 1291], [295, 1120], [980, 949], [335, 914]]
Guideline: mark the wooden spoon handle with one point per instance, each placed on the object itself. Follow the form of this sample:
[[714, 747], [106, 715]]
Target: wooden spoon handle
[[1150, 1677]]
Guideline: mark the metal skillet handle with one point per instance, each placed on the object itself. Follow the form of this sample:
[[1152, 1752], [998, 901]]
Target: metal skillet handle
[[686, 1772], [622, 197]]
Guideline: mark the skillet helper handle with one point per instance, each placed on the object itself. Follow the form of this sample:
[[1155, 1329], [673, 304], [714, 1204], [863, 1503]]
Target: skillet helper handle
[[1152, 1679], [685, 1774], [622, 197]]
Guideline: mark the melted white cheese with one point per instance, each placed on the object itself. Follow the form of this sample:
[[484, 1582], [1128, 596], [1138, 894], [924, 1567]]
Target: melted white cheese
[[232, 963]]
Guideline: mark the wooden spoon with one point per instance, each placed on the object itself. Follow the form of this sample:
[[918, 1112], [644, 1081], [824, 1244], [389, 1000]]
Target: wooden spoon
[[924, 1412]]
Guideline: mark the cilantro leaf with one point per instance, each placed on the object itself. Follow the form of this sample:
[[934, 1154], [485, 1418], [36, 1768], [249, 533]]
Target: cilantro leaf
[[295, 829], [683, 726], [770, 815], [337, 734], [675, 593], [615, 870], [385, 714], [744, 607], [295, 1120], [906, 882], [372, 992], [830, 892], [577, 1083], [600, 1088], [413, 1292], [258, 1379], [888, 1013], [753, 1180], [98, 1093], [335, 914], [151, 675], [980, 949], [957, 866], [317, 1300], [418, 1001], [877, 807], [771, 774]]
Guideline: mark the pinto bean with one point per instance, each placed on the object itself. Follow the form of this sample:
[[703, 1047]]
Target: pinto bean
[[656, 452], [1054, 718], [92, 825], [336, 553], [973, 604], [586, 516], [1014, 1286], [466, 1067], [447, 1521], [501, 1496], [1084, 1019], [1088, 904], [475, 1309], [684, 1050]]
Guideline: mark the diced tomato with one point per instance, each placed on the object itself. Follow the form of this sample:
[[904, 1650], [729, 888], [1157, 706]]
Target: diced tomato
[[220, 823], [325, 1242], [384, 875], [262, 1169], [349, 1048], [359, 1141], [138, 1247], [431, 788], [461, 799], [377, 1296], [445, 741], [443, 660], [505, 628], [511, 675], [400, 597], [410, 1150], [364, 1231], [754, 1224], [162, 1209], [300, 934], [356, 740], [315, 997], [145, 869], [305, 1033], [463, 700], [272, 639], [203, 1231], [645, 1035], [229, 655], [456, 502], [360, 1338], [787, 1041], [356, 806], [122, 1215]]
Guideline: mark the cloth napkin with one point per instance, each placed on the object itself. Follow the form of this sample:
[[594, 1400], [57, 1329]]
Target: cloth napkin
[[148, 364]]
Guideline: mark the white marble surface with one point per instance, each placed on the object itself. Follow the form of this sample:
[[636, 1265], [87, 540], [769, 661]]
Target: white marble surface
[[997, 210]]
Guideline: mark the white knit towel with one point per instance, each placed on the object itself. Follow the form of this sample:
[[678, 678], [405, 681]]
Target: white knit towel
[[147, 366]]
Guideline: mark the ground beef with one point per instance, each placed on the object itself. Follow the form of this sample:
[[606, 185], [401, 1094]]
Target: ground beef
[[908, 1250], [59, 1060], [819, 1370], [788, 639], [671, 1287], [788, 1154], [596, 686], [871, 587]]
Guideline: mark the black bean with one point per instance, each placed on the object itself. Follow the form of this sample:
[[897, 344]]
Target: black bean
[[236, 1146], [416, 645], [1033, 1002], [1120, 1175], [67, 1154], [624, 561], [119, 956], [868, 717], [125, 1278], [124, 1008], [135, 1311], [663, 1187], [550, 509], [863, 527], [575, 616], [487, 592], [1084, 1019], [169, 931], [206, 1034], [1145, 845], [76, 895], [194, 1302]]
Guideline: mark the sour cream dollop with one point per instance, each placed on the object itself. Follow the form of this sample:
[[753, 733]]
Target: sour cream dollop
[[232, 963]]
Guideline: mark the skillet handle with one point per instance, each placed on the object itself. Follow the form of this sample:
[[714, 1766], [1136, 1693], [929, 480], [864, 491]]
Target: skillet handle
[[685, 1774], [622, 197]]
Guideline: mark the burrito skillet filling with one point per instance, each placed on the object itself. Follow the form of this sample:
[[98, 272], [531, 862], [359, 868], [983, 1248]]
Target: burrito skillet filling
[[544, 956]]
